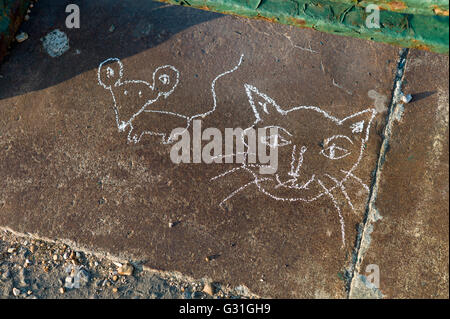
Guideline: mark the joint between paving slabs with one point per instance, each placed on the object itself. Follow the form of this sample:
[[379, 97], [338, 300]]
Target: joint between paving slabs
[[371, 214]]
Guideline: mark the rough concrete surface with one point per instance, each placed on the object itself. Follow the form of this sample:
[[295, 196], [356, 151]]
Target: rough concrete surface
[[410, 241], [67, 173]]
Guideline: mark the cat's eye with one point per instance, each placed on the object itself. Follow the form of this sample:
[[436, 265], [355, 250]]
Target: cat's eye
[[164, 79], [276, 137], [334, 152]]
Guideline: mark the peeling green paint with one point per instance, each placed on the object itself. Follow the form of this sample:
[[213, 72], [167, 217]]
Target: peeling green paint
[[421, 7], [408, 23]]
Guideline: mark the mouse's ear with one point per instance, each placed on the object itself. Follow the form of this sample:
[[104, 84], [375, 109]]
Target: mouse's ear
[[110, 72], [165, 79]]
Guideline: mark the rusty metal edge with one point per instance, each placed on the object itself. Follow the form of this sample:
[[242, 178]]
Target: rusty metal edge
[[425, 32]]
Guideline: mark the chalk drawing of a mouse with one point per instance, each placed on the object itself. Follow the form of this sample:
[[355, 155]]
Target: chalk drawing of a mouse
[[132, 98], [131, 114]]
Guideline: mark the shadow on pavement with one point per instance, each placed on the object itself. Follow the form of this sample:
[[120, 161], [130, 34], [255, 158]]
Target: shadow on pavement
[[108, 28]]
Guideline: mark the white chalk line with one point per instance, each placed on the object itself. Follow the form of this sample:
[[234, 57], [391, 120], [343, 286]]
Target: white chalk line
[[250, 90], [342, 187], [122, 125], [296, 163], [341, 219]]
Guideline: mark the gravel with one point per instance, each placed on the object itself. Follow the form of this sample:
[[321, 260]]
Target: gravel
[[36, 269]]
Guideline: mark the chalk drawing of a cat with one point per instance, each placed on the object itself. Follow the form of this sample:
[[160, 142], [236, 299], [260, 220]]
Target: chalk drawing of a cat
[[132, 99], [317, 152]]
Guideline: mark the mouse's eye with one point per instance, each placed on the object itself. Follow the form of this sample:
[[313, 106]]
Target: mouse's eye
[[276, 137], [334, 152], [165, 79], [109, 72]]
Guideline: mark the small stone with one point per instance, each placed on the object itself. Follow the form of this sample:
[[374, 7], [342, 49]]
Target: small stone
[[112, 28], [6, 275], [27, 263], [55, 257], [66, 255], [68, 281], [208, 289], [406, 98], [114, 278], [29, 292], [31, 5], [45, 268], [16, 292], [27, 17], [115, 290], [171, 225], [33, 248], [11, 250], [21, 37], [125, 270], [61, 290]]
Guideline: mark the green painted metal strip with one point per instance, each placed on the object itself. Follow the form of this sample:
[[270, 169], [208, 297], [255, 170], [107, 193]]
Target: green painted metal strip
[[428, 31], [421, 7]]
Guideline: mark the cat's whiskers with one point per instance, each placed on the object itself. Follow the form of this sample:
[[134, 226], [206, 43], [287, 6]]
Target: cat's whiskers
[[239, 190], [280, 183], [305, 186], [341, 219], [342, 187], [226, 173], [356, 178], [291, 183], [231, 155]]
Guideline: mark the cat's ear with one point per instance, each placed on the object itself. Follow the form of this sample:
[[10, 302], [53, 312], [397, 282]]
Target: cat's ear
[[262, 105], [359, 123]]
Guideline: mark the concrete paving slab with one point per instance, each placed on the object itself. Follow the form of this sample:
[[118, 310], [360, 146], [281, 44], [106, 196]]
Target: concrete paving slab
[[67, 172], [409, 244]]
